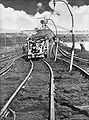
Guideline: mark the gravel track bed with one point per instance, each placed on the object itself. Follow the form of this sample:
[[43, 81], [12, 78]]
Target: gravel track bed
[[12, 79], [71, 89], [7, 59], [32, 101], [2, 65], [8, 52]]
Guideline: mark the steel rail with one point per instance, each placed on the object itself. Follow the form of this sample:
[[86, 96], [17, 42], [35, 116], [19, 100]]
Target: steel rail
[[9, 56], [9, 52], [78, 67], [67, 54], [51, 104], [74, 64], [80, 108], [7, 67], [4, 70], [15, 93], [79, 59], [52, 101], [84, 107], [6, 54]]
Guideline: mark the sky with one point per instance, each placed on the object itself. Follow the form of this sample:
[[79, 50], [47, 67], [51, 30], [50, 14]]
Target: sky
[[24, 14]]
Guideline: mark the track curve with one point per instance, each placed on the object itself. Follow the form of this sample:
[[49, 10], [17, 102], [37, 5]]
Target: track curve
[[41, 91], [9, 64], [5, 108], [51, 104], [80, 63], [79, 74]]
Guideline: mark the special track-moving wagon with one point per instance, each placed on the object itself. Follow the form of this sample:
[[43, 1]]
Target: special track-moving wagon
[[36, 46]]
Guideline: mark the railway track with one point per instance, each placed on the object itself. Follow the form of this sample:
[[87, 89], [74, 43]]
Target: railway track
[[8, 60], [10, 81], [68, 55], [79, 63], [6, 52], [6, 65], [35, 97], [71, 89], [10, 56], [52, 92]]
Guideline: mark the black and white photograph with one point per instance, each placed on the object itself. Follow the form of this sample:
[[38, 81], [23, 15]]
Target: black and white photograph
[[44, 59]]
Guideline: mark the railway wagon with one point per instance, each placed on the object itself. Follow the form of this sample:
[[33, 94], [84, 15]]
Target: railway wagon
[[36, 47]]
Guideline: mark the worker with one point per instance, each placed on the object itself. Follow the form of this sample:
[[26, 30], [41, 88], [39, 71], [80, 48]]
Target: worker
[[82, 45]]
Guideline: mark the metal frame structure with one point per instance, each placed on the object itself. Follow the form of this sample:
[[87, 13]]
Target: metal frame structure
[[72, 31]]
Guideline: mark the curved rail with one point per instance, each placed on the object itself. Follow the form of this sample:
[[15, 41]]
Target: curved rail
[[84, 72], [15, 93], [9, 64], [74, 64], [52, 109], [68, 55], [8, 57], [78, 67], [8, 53], [84, 107]]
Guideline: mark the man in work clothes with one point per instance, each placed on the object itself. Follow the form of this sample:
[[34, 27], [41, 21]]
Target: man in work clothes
[[82, 45]]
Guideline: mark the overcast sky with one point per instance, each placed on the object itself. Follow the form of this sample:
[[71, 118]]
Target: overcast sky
[[22, 14]]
